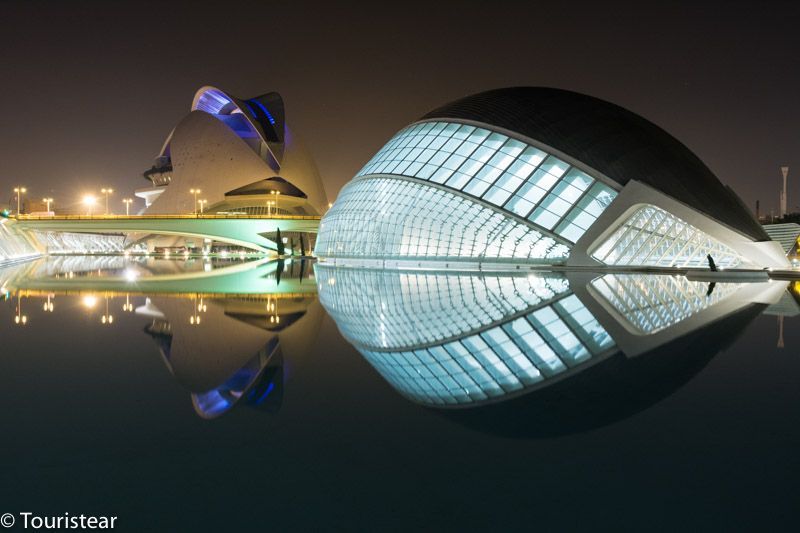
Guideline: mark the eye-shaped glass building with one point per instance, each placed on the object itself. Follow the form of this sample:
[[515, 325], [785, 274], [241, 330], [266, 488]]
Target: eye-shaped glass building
[[541, 175]]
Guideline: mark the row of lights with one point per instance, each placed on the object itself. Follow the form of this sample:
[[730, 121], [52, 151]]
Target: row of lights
[[89, 201], [89, 301]]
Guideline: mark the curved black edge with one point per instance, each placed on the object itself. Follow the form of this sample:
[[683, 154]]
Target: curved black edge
[[611, 140]]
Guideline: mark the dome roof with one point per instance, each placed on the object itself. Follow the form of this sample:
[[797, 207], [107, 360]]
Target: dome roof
[[609, 139]]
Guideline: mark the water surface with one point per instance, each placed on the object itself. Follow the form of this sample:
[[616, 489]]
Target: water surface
[[179, 396]]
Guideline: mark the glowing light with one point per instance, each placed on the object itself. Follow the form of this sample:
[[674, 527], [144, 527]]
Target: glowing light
[[131, 275], [89, 301]]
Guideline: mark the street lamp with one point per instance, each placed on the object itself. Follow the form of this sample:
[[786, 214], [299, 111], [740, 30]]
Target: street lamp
[[276, 194], [106, 192], [127, 202], [195, 192], [48, 201], [89, 201], [202, 204], [19, 191]]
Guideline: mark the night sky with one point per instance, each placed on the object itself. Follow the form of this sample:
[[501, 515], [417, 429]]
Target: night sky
[[91, 89]]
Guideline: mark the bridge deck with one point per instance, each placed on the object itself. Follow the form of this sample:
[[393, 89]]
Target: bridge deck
[[243, 230]]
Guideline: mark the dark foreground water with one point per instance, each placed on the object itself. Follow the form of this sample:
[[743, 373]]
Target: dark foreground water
[[664, 408]]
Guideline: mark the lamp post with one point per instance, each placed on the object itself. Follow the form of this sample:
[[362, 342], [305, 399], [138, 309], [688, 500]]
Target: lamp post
[[47, 201], [89, 201], [106, 192], [270, 203], [202, 205], [19, 191], [127, 202], [276, 194], [195, 192]]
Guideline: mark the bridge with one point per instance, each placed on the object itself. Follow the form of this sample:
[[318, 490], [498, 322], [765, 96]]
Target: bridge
[[242, 230]]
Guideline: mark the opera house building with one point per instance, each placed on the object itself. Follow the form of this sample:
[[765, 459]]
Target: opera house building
[[541, 176], [240, 156]]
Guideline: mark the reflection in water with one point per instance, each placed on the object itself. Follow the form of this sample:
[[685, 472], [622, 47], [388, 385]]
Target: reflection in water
[[532, 353], [228, 350], [225, 345], [536, 353], [442, 338]]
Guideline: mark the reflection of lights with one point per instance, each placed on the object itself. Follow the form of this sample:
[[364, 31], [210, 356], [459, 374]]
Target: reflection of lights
[[20, 318], [127, 306], [194, 318], [224, 253], [89, 301], [107, 318], [48, 305], [331, 281], [272, 307]]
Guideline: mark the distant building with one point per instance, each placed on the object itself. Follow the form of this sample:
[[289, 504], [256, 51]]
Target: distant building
[[229, 145], [541, 175], [243, 159]]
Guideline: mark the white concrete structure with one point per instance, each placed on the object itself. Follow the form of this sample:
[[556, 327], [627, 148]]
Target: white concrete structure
[[226, 143], [541, 176]]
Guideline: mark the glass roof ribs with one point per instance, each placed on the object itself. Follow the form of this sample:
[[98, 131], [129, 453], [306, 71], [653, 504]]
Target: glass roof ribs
[[654, 237], [502, 171]]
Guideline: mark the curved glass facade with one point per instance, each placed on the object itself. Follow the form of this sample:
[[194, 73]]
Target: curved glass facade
[[501, 171], [391, 218], [447, 190], [451, 339], [653, 237]]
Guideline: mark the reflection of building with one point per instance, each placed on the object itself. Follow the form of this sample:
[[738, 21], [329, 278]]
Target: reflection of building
[[475, 339], [542, 175], [226, 351]]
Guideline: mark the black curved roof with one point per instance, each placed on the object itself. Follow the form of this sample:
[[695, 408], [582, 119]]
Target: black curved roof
[[610, 139]]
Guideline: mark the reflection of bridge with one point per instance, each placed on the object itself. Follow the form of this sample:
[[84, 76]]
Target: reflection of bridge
[[255, 277], [241, 230]]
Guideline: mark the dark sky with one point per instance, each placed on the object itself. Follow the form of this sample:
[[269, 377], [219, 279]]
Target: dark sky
[[90, 89]]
